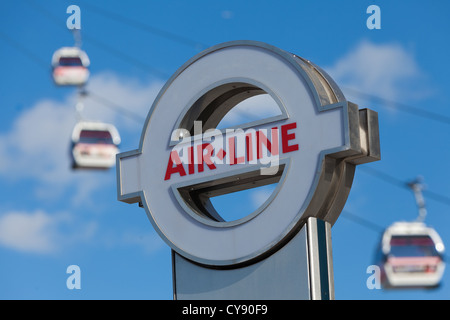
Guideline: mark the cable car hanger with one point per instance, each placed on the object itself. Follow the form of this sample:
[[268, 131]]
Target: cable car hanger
[[417, 187], [77, 37]]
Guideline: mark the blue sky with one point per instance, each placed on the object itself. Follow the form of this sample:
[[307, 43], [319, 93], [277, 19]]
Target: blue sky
[[51, 217]]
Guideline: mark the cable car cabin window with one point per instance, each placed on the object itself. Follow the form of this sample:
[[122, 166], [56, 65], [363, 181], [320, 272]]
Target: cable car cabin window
[[95, 137], [70, 62], [412, 246]]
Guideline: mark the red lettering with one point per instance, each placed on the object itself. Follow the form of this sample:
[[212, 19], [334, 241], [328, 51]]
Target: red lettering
[[232, 152], [205, 157], [191, 167], [174, 158], [285, 137], [274, 150], [271, 146], [249, 146]]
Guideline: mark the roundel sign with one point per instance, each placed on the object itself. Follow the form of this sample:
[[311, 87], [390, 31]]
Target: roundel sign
[[310, 149]]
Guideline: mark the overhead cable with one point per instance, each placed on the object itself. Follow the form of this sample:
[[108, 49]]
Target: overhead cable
[[404, 184], [147, 28], [426, 114]]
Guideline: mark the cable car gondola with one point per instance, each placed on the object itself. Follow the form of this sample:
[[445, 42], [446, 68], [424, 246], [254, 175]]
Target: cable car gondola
[[411, 256], [411, 253], [70, 66], [94, 145]]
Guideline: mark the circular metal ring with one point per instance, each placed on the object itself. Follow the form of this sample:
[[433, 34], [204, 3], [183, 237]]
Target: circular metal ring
[[313, 132]]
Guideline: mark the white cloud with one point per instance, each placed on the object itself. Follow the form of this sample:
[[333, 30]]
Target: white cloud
[[27, 232], [37, 145], [44, 233], [36, 149], [385, 70], [260, 195], [38, 231], [254, 108], [129, 94], [227, 14]]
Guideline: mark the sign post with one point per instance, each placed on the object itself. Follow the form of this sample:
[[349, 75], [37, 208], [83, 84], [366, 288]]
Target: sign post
[[300, 270], [310, 149]]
